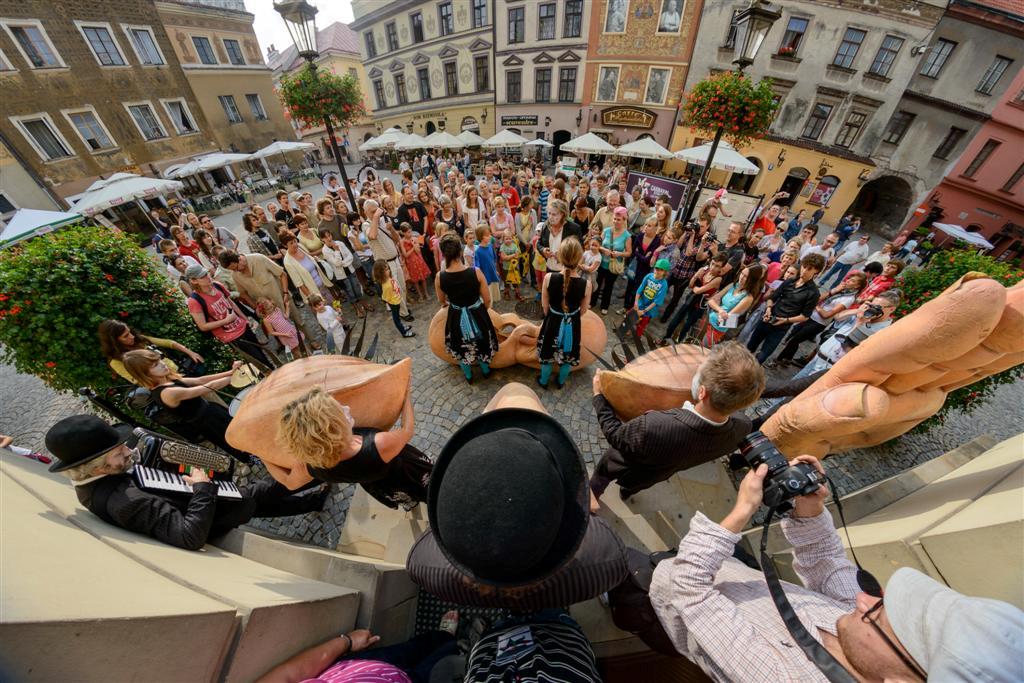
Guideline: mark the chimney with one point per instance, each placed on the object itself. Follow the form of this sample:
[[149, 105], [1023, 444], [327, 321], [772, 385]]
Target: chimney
[[271, 52]]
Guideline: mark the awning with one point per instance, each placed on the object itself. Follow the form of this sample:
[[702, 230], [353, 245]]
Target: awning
[[726, 158], [27, 223], [120, 189], [588, 143]]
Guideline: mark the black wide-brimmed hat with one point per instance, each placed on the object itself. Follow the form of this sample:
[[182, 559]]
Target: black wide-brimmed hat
[[80, 438], [508, 499]]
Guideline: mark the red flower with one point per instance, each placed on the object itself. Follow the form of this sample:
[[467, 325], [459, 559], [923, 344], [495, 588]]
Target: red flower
[[15, 310], [50, 364], [145, 273], [110, 278], [123, 314], [4, 297]]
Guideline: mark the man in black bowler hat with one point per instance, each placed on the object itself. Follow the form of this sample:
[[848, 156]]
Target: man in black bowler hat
[[98, 460]]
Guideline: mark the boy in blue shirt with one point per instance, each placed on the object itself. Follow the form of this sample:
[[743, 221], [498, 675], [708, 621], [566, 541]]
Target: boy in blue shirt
[[486, 259], [650, 295]]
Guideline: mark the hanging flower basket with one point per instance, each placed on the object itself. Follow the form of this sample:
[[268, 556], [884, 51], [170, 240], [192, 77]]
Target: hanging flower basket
[[733, 102], [310, 96]]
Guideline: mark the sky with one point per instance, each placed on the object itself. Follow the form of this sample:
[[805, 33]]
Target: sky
[[270, 28]]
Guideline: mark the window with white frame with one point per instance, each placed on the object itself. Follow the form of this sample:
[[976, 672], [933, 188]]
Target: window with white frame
[[256, 106], [993, 74], [6, 205], [230, 108], [143, 42], [180, 116], [5, 64], [100, 39], [234, 51], [936, 57], [204, 49], [146, 121], [41, 133], [89, 128], [31, 40]]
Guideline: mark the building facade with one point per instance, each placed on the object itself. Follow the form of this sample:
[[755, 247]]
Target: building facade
[[20, 187], [89, 89], [430, 64], [540, 60], [638, 60]]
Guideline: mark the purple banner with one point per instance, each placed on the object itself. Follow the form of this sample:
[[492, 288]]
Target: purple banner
[[654, 185]]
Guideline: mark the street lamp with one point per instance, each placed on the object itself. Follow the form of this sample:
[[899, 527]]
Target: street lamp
[[300, 19]]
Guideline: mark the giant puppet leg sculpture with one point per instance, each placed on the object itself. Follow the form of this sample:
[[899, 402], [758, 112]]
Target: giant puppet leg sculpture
[[886, 386], [517, 339]]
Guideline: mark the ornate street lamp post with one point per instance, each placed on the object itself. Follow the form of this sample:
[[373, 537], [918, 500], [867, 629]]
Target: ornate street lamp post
[[300, 19]]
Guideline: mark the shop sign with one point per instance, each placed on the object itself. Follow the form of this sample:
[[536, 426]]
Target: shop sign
[[518, 121], [630, 117]]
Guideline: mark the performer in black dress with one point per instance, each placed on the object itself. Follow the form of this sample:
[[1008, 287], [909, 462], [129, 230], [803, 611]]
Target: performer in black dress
[[565, 297], [320, 432], [469, 336]]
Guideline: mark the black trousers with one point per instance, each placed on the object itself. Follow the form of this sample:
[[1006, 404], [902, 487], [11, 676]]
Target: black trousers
[[805, 331], [605, 284], [264, 498], [767, 336], [679, 288]]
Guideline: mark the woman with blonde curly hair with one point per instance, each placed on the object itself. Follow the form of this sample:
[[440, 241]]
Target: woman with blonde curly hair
[[322, 436]]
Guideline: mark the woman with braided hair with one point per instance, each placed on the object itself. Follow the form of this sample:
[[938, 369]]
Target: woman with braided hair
[[565, 297]]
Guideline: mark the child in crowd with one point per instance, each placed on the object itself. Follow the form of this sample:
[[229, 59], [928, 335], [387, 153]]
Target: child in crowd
[[469, 253], [391, 294], [331, 321], [650, 295], [440, 230], [277, 325], [416, 268], [501, 220], [592, 261], [169, 252], [486, 261], [510, 256]]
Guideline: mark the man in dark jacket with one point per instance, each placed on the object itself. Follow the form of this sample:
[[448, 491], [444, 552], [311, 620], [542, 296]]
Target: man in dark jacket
[[652, 447], [97, 459]]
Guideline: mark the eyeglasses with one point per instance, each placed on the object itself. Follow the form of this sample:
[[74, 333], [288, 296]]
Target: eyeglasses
[[867, 619]]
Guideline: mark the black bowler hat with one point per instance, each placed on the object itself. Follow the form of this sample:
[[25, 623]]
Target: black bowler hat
[[508, 500], [80, 438]]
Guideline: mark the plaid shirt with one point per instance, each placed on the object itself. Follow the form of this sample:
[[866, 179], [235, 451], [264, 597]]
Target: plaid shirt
[[718, 611]]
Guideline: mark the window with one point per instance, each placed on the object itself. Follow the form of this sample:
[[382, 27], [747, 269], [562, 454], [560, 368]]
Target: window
[[885, 56], [816, 121], [39, 130], [4, 64], [482, 66], [981, 157], [542, 85], [898, 126], [451, 79], [353, 73], [572, 24], [851, 129], [447, 20], [400, 89], [791, 39], [516, 24], [657, 85], [993, 74], [34, 44], [1014, 179], [101, 42], [848, 48], [730, 35], [513, 87], [416, 21], [180, 116], [952, 139], [371, 45], [230, 108], [936, 56], [6, 205], [204, 49], [234, 51], [567, 84], [146, 121], [255, 107], [546, 27], [479, 13], [423, 76], [378, 93], [391, 35], [144, 45]]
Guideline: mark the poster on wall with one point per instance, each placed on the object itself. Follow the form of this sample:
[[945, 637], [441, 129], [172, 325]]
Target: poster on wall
[[740, 207], [654, 185], [822, 194]]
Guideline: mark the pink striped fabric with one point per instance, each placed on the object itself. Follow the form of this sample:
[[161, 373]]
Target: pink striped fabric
[[361, 671]]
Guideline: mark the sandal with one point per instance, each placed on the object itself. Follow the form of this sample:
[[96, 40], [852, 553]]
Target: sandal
[[408, 333]]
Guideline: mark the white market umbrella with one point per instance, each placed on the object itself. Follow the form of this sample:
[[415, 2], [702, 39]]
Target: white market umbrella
[[726, 158], [645, 148], [539, 142], [588, 143], [207, 163], [387, 139], [368, 144], [413, 141], [126, 188], [281, 147], [505, 138], [470, 138], [444, 140], [959, 233], [27, 223]]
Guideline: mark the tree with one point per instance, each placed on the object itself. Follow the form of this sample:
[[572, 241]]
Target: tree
[[311, 94], [731, 101]]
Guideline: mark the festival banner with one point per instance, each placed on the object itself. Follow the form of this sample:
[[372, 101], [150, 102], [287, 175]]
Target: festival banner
[[654, 185]]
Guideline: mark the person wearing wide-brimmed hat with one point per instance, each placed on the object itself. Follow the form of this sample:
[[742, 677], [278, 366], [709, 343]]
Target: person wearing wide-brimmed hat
[[509, 515], [97, 458]]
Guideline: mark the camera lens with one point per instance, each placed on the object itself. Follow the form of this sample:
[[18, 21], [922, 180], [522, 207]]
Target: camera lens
[[757, 449]]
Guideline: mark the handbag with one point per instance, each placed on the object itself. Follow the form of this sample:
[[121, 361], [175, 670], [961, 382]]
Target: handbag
[[616, 265]]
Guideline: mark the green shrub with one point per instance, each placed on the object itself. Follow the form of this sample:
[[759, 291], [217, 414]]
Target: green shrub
[[55, 290], [923, 284]]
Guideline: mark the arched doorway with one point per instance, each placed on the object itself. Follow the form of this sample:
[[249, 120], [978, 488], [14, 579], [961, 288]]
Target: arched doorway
[[883, 204], [430, 127], [559, 138], [742, 183], [793, 184]]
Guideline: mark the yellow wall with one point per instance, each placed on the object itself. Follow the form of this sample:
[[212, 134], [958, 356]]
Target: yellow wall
[[453, 119]]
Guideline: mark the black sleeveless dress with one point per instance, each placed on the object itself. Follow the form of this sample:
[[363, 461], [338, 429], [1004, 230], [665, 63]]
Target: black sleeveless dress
[[399, 483], [551, 349], [469, 336], [209, 420]]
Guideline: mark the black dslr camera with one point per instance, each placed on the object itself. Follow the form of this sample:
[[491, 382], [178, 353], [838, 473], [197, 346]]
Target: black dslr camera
[[784, 482]]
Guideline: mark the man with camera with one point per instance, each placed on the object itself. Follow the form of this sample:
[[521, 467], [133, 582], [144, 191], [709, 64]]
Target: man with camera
[[733, 249], [719, 613], [793, 302]]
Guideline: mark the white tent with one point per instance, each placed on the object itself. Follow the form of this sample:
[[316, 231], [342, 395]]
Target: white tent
[[282, 147], [959, 233], [539, 142], [505, 138], [413, 141], [726, 158], [27, 223], [644, 148], [120, 189], [387, 139], [588, 143], [367, 145], [207, 163], [470, 138], [444, 140]]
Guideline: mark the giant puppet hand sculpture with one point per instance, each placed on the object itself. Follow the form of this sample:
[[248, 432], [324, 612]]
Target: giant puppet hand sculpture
[[517, 339], [890, 383], [373, 393]]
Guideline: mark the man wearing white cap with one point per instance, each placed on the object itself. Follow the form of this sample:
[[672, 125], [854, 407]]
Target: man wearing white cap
[[718, 612]]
